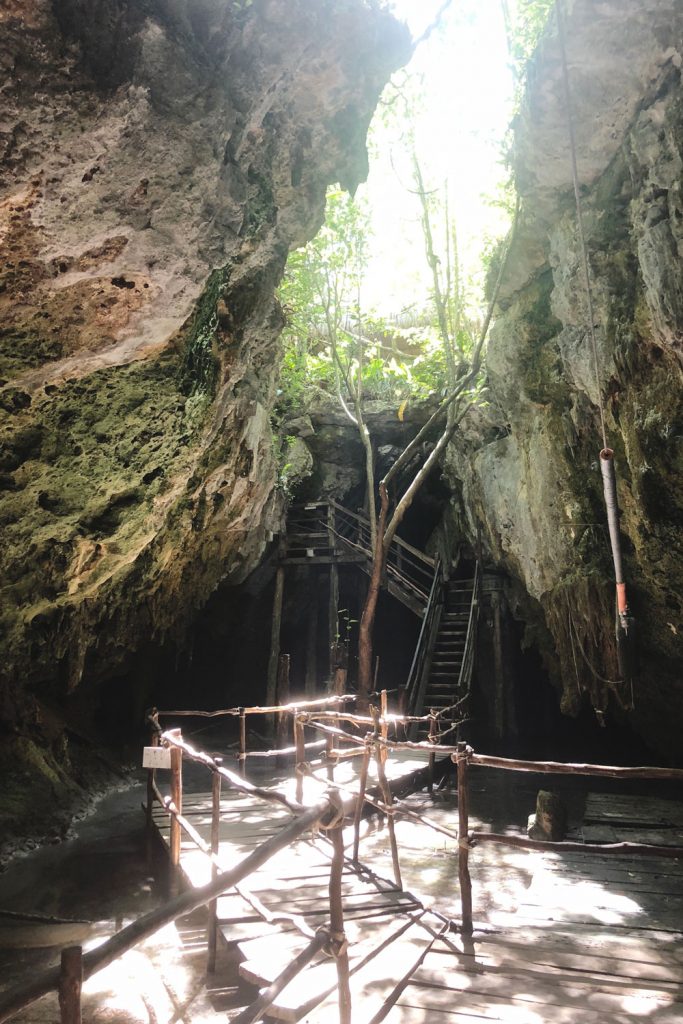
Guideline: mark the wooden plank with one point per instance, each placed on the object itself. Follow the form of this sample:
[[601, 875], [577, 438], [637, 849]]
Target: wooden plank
[[623, 834], [499, 989], [593, 971], [417, 1005], [631, 877], [601, 942], [375, 985], [645, 962], [540, 917], [365, 937], [626, 807]]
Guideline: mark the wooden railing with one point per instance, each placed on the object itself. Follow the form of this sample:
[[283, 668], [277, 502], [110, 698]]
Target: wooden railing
[[464, 757], [409, 567], [370, 735], [321, 528]]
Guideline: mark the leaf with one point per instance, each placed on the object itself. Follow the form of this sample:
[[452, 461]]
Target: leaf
[[402, 409]]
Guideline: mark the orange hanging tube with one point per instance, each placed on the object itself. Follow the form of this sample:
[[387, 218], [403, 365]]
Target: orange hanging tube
[[609, 486]]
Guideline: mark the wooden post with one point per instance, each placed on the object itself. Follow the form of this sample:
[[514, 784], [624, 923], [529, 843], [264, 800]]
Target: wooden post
[[386, 790], [339, 682], [215, 843], [70, 984], [337, 923], [177, 798], [362, 786], [339, 687], [329, 745], [300, 758], [243, 743], [463, 841], [312, 638], [151, 775], [271, 683], [498, 673], [432, 757], [282, 698], [333, 607]]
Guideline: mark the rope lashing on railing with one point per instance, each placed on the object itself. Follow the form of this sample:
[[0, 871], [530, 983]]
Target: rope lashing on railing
[[337, 813]]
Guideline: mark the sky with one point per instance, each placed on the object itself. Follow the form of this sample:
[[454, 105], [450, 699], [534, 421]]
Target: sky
[[466, 108]]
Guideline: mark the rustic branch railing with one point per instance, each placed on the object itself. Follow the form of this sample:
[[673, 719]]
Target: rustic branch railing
[[407, 565], [464, 756], [20, 996], [328, 813]]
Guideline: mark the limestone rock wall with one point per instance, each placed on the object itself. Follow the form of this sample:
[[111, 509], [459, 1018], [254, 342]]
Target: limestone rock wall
[[158, 160], [529, 472]]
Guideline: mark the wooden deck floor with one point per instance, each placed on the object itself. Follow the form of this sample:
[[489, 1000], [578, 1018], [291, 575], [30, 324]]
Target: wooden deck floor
[[589, 939]]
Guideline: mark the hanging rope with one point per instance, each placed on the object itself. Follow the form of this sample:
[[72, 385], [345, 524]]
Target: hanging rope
[[579, 220], [609, 482]]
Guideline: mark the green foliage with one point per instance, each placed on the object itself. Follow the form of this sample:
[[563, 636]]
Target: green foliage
[[329, 343], [199, 369], [525, 24]]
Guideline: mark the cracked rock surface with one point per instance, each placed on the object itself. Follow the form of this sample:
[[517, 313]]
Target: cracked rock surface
[[158, 160], [529, 470]]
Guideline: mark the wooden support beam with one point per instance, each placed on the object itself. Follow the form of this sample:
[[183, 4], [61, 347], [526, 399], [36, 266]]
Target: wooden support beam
[[300, 758], [332, 618], [362, 786], [70, 984], [215, 842], [271, 682], [311, 677], [463, 840], [338, 937], [498, 670], [283, 700], [176, 796], [381, 755], [243, 743], [151, 778], [432, 757]]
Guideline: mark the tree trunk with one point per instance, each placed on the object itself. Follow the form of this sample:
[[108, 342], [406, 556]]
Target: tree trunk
[[367, 619]]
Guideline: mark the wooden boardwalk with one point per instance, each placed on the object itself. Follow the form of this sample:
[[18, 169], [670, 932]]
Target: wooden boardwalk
[[591, 939]]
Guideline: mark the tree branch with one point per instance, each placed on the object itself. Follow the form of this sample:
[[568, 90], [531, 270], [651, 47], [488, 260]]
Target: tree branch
[[432, 25], [465, 381]]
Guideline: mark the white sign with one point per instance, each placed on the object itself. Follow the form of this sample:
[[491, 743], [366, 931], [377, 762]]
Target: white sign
[[156, 757]]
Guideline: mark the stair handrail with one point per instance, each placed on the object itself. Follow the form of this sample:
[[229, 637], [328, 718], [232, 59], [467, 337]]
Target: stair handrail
[[364, 522], [417, 675], [467, 663], [412, 568]]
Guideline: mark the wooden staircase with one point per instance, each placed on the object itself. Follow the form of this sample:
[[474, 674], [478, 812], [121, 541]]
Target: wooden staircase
[[441, 673], [450, 645], [327, 532]]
